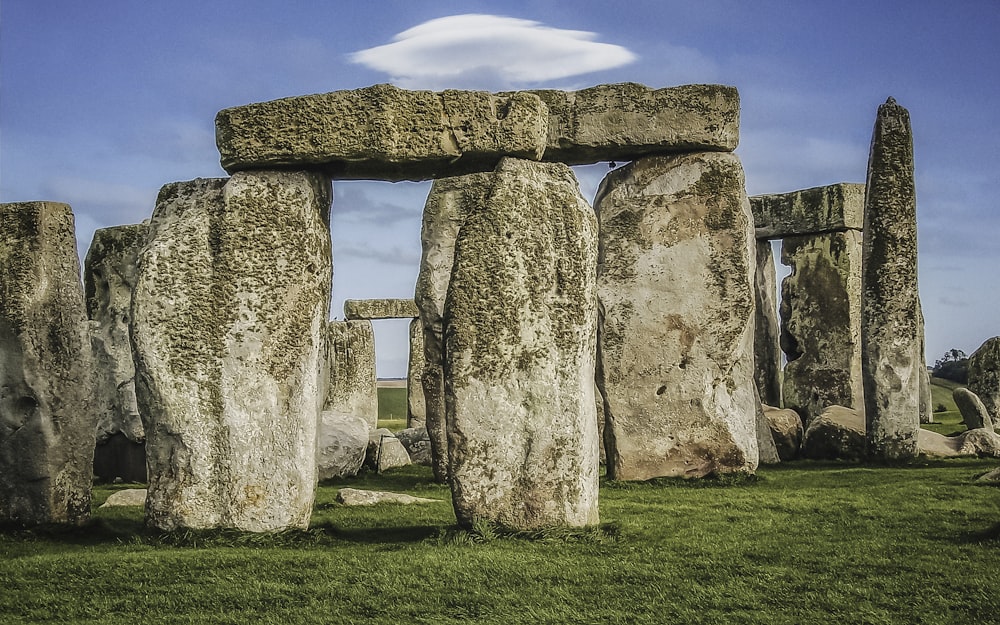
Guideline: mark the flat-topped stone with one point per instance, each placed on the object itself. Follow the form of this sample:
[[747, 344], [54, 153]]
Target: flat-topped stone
[[383, 132], [627, 120], [809, 211], [380, 309]]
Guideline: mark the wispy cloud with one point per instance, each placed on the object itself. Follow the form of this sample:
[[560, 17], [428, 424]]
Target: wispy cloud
[[489, 51]]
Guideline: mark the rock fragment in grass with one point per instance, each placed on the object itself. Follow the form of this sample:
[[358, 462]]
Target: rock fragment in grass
[[358, 497], [974, 412], [126, 498]]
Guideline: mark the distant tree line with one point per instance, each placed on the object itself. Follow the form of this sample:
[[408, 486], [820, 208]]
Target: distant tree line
[[953, 366]]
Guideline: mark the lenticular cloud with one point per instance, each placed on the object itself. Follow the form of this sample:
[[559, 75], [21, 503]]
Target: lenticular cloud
[[489, 51]]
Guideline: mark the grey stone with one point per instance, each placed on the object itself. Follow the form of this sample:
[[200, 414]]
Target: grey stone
[[676, 347], [984, 375], [926, 396], [352, 388], [520, 332], [821, 322], [416, 410], [383, 132], [981, 443], [358, 497], [385, 451], [766, 342], [341, 445], [817, 210], [417, 444], [626, 121], [786, 431], [766, 444], [127, 498], [108, 279], [890, 302], [227, 323], [973, 410], [47, 421], [380, 309], [838, 433], [449, 203]]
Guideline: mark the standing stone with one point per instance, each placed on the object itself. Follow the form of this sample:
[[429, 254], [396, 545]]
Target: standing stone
[[449, 203], [109, 276], [766, 342], [974, 413], [926, 396], [228, 315], [520, 336], [821, 322], [676, 283], [890, 304], [416, 412], [984, 375], [767, 447], [46, 378]]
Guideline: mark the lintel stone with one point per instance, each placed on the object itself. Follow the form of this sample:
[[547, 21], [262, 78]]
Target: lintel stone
[[380, 309], [817, 210]]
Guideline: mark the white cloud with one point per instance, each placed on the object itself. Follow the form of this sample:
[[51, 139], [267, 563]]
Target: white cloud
[[489, 51]]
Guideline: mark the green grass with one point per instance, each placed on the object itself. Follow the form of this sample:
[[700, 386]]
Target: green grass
[[392, 408], [800, 543], [950, 421]]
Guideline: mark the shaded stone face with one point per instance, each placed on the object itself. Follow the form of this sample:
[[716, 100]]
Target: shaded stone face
[[984, 375], [228, 315], [416, 411], [974, 412], [890, 305], [351, 382], [676, 346], [766, 344], [821, 322], [520, 328], [809, 211], [380, 309], [47, 421]]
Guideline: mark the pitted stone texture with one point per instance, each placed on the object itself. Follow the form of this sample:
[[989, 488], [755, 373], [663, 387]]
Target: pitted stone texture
[[890, 303], [47, 421], [520, 332], [786, 431], [676, 285], [981, 442], [821, 322], [358, 497], [626, 121], [130, 497], [417, 445], [383, 132], [449, 203], [416, 411], [984, 375], [228, 315], [341, 445], [766, 341], [385, 451], [926, 397], [380, 309], [831, 208], [838, 433], [352, 388], [974, 412], [109, 276]]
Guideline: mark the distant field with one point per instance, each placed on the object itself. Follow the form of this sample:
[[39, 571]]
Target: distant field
[[950, 421], [392, 404]]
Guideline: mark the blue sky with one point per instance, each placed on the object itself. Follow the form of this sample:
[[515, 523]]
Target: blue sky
[[101, 103]]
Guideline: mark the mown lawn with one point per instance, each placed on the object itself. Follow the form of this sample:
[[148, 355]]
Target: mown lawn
[[800, 543]]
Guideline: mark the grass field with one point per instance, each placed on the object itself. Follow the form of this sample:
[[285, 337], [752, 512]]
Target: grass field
[[800, 543], [392, 407], [950, 420]]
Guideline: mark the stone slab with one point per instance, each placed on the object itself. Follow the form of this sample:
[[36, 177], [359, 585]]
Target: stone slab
[[380, 309], [810, 211]]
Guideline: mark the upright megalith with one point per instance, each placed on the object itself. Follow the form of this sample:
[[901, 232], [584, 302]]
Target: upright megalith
[[974, 412], [890, 303], [227, 322], [821, 322], [109, 276], [675, 280], [520, 324], [984, 376], [416, 411], [47, 421], [448, 204], [351, 383], [766, 339]]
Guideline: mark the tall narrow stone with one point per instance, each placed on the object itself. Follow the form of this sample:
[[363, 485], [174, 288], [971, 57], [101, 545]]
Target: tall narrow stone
[[47, 422], [416, 412], [766, 343], [676, 283], [520, 332], [890, 304], [449, 203], [821, 322], [984, 376], [227, 322]]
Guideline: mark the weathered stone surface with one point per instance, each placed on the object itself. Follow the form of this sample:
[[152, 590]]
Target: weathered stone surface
[[341, 445], [448, 204], [416, 411], [767, 448], [890, 302], [520, 332], [818, 210], [358, 497], [821, 322], [417, 444], [130, 497], [974, 412], [786, 431], [984, 375], [227, 322], [766, 342], [385, 451], [352, 388], [926, 396], [626, 121], [108, 278], [380, 309], [676, 284], [981, 443], [47, 421], [838, 433], [383, 132]]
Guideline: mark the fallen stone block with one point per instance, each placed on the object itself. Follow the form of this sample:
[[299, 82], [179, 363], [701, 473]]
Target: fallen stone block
[[341, 445], [358, 497], [838, 433], [385, 451]]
